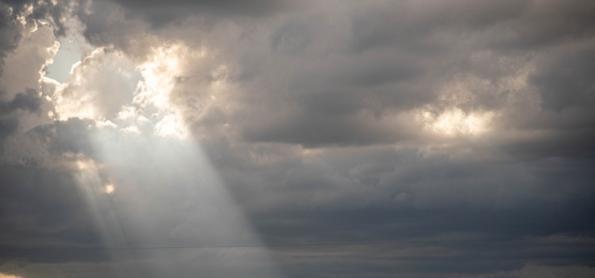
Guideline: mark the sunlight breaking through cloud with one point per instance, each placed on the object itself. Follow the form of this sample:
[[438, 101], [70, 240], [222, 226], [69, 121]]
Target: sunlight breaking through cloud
[[456, 122], [146, 107], [109, 188], [318, 139], [167, 193]]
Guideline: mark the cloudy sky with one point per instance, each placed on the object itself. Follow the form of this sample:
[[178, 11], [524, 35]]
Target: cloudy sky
[[288, 139]]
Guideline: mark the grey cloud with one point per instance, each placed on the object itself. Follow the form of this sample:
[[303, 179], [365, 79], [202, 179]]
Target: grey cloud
[[141, 18], [45, 10], [11, 112], [71, 136], [29, 101], [546, 23], [316, 210], [41, 209], [159, 12], [402, 193], [309, 79], [9, 27], [9, 32], [312, 137], [327, 79], [563, 78], [412, 25], [534, 270]]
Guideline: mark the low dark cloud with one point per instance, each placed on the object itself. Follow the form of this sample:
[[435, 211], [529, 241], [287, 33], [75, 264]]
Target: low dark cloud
[[159, 13], [9, 111], [29, 101]]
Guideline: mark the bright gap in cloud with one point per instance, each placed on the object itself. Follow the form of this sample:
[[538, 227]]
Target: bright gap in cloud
[[72, 49], [168, 193], [159, 74], [456, 122], [113, 90], [68, 54], [109, 188]]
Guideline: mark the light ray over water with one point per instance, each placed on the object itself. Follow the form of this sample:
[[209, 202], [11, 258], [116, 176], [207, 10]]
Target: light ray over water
[[167, 211], [159, 206]]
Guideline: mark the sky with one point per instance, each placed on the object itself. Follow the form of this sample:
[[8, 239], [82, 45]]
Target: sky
[[288, 139]]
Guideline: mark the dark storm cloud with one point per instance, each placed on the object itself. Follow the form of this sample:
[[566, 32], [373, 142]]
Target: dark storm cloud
[[456, 216], [410, 25], [9, 32], [339, 77], [160, 12], [44, 10], [42, 212], [28, 102], [336, 77], [317, 140], [330, 79], [71, 136], [134, 18], [564, 79], [401, 194], [545, 23]]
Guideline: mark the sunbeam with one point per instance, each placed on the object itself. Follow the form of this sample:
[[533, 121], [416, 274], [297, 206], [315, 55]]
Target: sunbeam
[[160, 206], [169, 200]]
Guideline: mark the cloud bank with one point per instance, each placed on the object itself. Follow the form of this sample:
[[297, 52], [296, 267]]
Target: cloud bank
[[346, 139]]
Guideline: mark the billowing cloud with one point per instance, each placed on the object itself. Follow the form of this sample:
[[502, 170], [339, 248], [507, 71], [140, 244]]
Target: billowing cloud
[[376, 72]]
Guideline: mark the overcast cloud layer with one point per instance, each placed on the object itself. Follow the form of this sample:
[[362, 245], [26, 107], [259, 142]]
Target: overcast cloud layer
[[297, 138]]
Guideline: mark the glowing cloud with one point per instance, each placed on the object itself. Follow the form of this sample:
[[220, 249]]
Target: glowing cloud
[[109, 188], [153, 93], [138, 101], [3, 275], [456, 122], [97, 88], [159, 74]]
